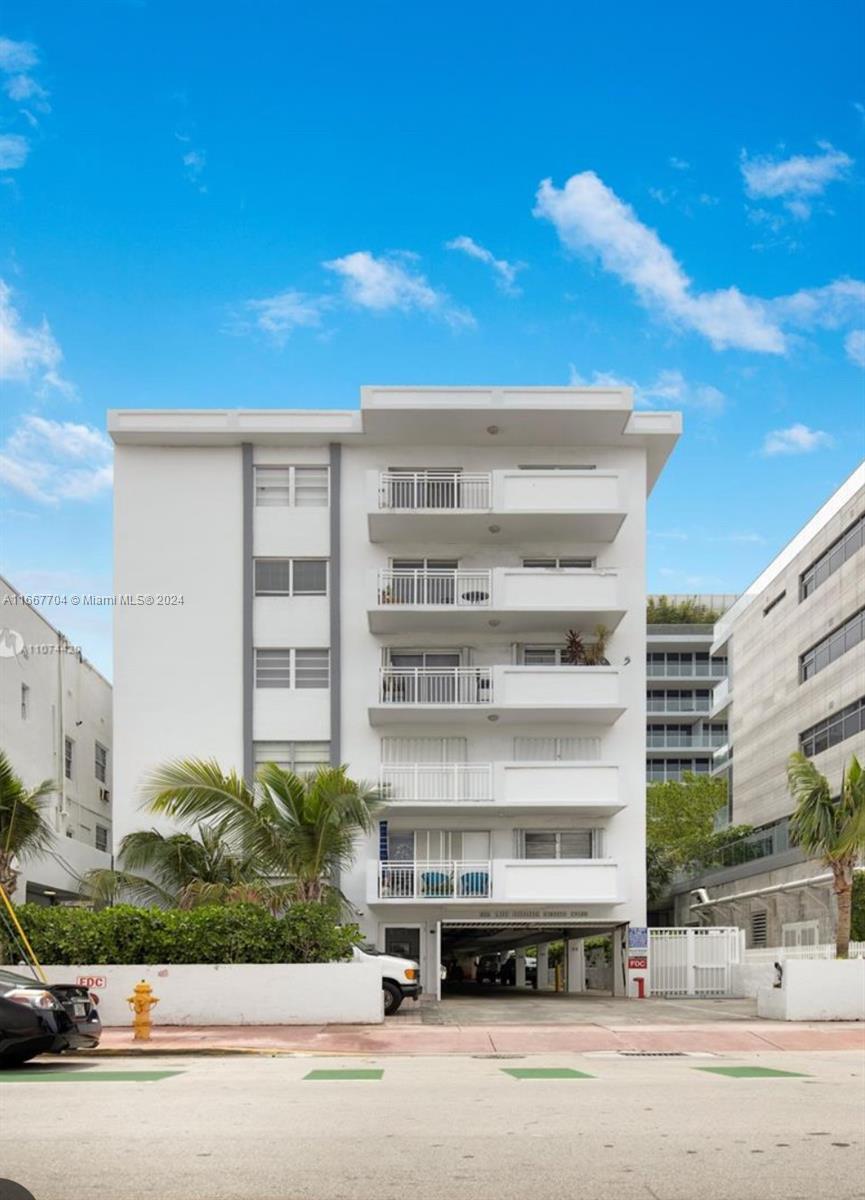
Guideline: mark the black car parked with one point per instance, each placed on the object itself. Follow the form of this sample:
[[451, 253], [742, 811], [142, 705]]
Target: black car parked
[[37, 1018]]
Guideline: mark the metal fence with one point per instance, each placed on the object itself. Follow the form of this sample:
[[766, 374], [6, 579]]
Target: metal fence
[[773, 954], [434, 880], [436, 782], [427, 490], [436, 685], [693, 962], [462, 589]]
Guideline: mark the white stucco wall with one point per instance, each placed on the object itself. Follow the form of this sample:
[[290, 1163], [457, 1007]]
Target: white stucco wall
[[238, 994], [816, 989]]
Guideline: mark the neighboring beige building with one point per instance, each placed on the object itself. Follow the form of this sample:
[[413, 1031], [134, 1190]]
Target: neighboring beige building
[[55, 723], [795, 644]]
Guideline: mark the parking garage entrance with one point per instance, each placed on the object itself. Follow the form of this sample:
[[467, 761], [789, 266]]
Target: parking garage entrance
[[504, 958]]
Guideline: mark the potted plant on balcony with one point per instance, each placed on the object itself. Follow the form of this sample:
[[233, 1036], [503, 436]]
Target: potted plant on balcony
[[578, 653]]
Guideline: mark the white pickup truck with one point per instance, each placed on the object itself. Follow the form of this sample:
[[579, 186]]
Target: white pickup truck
[[400, 977]]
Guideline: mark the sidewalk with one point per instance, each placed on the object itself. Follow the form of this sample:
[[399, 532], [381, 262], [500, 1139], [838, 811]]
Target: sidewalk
[[477, 1039]]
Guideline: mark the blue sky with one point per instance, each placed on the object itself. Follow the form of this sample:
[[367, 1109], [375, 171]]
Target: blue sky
[[271, 204]]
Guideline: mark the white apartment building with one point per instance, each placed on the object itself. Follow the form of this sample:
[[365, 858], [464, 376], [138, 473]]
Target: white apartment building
[[795, 645], [391, 588], [55, 723], [681, 673]]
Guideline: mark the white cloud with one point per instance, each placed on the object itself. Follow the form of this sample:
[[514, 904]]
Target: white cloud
[[590, 218], [854, 345], [49, 461], [678, 164], [279, 315], [13, 151], [17, 56], [194, 162], [381, 284], [746, 538], [796, 180], [506, 272], [798, 439], [669, 388], [28, 353]]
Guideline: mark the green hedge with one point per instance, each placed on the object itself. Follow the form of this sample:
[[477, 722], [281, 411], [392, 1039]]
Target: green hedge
[[231, 933], [857, 923]]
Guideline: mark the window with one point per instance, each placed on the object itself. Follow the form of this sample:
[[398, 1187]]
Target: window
[[661, 770], [291, 487], [553, 749], [834, 729], [543, 656], [836, 643], [290, 668], [832, 558], [759, 923], [424, 750], [683, 664], [100, 764], [678, 700], [570, 564], [800, 933], [291, 577], [557, 843], [25, 701], [301, 757], [68, 755], [101, 837]]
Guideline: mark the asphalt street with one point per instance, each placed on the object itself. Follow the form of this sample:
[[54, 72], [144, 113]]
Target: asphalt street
[[545, 1126]]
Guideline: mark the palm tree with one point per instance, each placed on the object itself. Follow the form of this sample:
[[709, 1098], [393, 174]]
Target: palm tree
[[296, 828], [831, 829], [24, 831], [181, 871]]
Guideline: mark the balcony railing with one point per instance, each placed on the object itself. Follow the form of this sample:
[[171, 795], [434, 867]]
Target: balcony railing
[[681, 741], [465, 589], [434, 880], [436, 782], [671, 670], [676, 704], [436, 685], [434, 490]]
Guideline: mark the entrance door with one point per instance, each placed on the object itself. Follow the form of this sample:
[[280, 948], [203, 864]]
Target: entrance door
[[403, 940]]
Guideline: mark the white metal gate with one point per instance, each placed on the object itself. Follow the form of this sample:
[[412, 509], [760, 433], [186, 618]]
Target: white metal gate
[[693, 962]]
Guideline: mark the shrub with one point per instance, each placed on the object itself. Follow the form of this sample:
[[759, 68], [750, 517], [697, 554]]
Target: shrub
[[857, 921], [231, 933], [683, 610]]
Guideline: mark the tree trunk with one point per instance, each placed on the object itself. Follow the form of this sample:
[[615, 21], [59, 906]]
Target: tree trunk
[[8, 874], [844, 896]]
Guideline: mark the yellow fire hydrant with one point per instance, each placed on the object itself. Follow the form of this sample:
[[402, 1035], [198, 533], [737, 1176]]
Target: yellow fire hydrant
[[141, 1001]]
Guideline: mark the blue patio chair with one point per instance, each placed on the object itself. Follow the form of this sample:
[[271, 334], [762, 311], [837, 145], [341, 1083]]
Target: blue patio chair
[[436, 883], [474, 883]]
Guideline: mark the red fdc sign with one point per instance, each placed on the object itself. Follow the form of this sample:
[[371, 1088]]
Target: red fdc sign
[[92, 981], [638, 964]]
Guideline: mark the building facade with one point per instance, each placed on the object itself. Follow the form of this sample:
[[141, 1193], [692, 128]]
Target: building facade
[[681, 673], [795, 645], [393, 589], [56, 724]]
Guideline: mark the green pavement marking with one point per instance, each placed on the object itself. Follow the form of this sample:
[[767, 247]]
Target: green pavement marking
[[544, 1073], [752, 1072], [358, 1073], [85, 1076]]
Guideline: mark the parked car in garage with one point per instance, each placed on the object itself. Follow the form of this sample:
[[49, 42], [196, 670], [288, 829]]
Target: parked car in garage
[[39, 1018], [508, 972]]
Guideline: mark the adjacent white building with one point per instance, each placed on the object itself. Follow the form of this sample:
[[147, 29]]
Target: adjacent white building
[[392, 588], [55, 723], [795, 646]]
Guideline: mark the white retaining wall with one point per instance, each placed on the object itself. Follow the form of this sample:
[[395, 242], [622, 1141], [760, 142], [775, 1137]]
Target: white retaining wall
[[238, 994], [816, 990]]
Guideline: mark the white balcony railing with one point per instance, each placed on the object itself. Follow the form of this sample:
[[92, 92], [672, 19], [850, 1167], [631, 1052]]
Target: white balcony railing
[[426, 491], [436, 782], [435, 685], [682, 741], [434, 880], [674, 704], [462, 589]]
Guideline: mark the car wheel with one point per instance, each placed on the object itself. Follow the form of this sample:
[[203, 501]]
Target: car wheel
[[392, 998]]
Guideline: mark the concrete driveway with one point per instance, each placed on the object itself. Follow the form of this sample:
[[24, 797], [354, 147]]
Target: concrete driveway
[[474, 1005]]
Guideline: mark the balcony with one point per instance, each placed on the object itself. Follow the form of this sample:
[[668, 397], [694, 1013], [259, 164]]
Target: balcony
[[677, 706], [446, 880], [591, 788], [537, 881], [697, 670], [509, 599], [662, 743], [524, 694], [721, 698], [494, 506]]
